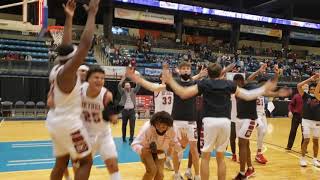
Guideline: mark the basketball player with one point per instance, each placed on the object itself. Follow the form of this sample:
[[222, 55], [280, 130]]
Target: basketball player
[[217, 106], [95, 97], [262, 124], [69, 137], [248, 119], [154, 139], [310, 119]]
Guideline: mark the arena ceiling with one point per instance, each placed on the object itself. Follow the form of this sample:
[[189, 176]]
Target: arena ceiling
[[302, 9]]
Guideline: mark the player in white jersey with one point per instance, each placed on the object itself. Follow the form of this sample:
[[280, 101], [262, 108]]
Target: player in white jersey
[[95, 98], [69, 137]]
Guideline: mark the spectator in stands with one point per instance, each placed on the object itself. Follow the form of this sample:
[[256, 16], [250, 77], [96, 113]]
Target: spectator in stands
[[128, 100]]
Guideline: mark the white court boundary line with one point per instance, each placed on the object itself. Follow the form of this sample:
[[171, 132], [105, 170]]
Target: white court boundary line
[[2, 121]]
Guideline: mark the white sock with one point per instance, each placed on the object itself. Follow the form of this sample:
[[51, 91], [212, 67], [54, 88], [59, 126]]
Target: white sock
[[315, 159], [242, 173], [115, 176], [188, 169]]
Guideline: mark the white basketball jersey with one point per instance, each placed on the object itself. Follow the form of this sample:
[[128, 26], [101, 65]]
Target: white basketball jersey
[[67, 111], [260, 105], [92, 111], [163, 101]]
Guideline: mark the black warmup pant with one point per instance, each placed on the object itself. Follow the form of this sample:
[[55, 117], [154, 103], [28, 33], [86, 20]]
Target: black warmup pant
[[131, 116], [296, 120]]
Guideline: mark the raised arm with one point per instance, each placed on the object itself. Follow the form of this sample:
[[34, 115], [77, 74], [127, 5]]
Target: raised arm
[[250, 95], [120, 89], [227, 69], [69, 12], [317, 91], [253, 76], [67, 76], [154, 87], [283, 92], [301, 84]]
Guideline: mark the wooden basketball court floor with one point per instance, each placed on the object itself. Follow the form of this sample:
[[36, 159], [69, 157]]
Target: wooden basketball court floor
[[282, 165]]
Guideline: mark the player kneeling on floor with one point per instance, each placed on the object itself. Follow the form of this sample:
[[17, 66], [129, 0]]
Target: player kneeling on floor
[[156, 137]]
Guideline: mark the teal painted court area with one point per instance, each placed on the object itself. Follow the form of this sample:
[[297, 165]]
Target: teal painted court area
[[35, 155]]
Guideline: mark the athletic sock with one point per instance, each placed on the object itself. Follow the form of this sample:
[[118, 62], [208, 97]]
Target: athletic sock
[[115, 176]]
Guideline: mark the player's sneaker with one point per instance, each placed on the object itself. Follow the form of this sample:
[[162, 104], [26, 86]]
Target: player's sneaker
[[197, 177], [303, 162], [316, 163], [168, 165], [261, 159], [250, 172], [240, 177], [234, 157], [177, 177], [188, 174]]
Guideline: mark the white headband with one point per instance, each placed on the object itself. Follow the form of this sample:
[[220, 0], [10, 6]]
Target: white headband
[[69, 56], [84, 67]]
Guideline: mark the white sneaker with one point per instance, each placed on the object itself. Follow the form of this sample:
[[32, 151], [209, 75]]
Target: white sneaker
[[303, 162], [316, 163], [188, 174], [177, 177], [197, 177], [168, 165]]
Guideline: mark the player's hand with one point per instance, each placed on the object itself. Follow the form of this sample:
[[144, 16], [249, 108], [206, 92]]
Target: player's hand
[[69, 8], [276, 69], [114, 118], [130, 73], [166, 74], [203, 72], [290, 115], [93, 7], [263, 68], [184, 140]]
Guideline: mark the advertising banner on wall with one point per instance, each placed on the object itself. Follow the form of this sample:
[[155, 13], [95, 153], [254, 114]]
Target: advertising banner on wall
[[143, 16], [305, 36], [152, 72], [201, 23], [261, 31]]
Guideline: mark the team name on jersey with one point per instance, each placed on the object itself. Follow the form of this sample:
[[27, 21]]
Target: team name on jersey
[[91, 106]]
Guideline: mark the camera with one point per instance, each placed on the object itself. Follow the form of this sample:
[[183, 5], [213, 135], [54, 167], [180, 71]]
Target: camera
[[153, 149]]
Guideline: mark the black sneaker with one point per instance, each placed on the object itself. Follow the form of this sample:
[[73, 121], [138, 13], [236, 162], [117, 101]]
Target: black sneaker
[[124, 140], [130, 142], [240, 177]]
